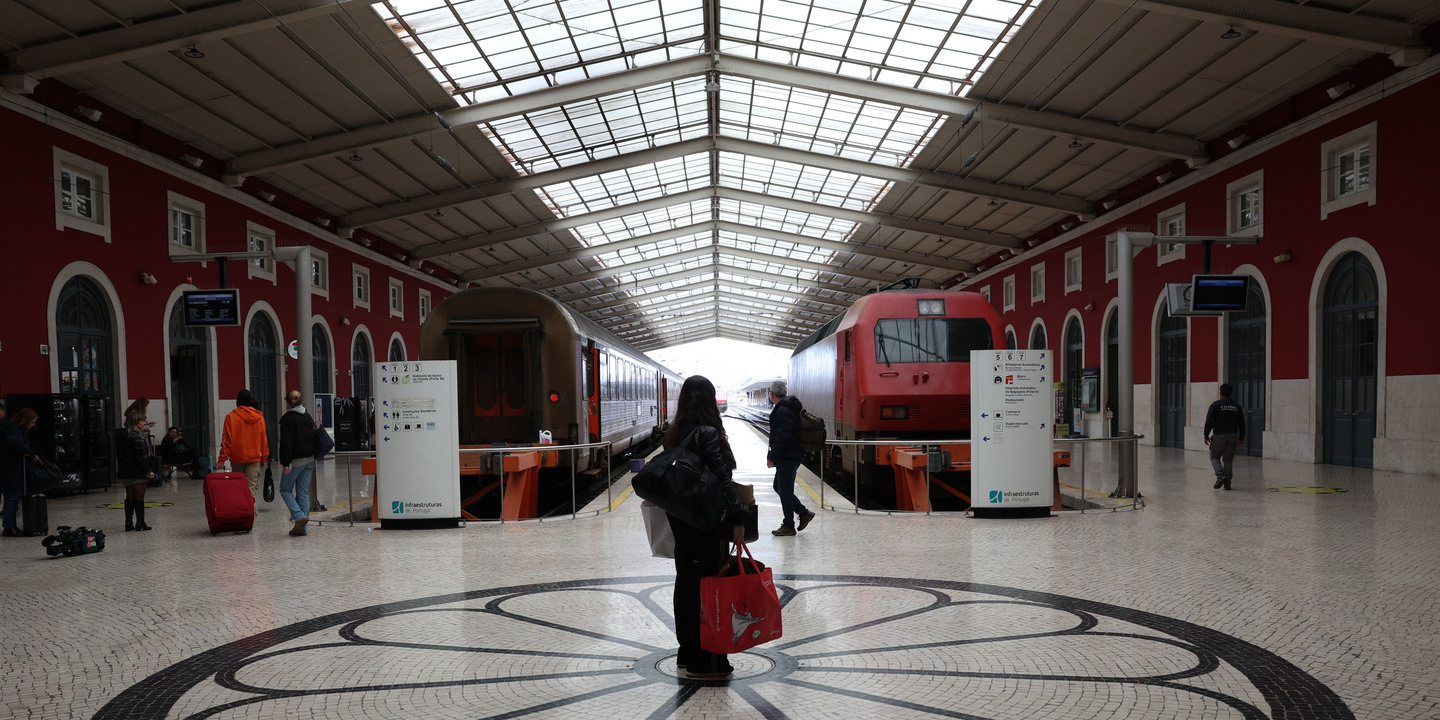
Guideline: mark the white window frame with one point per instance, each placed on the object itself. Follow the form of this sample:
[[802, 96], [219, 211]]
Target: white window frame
[[1254, 182], [986, 292], [177, 203], [1037, 283], [262, 269], [99, 176], [319, 266], [1112, 259], [1165, 222], [1073, 281], [1330, 152], [1007, 293], [424, 305], [360, 288], [396, 298]]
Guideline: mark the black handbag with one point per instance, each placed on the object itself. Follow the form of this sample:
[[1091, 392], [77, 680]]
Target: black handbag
[[158, 469], [678, 481], [44, 476], [269, 484]]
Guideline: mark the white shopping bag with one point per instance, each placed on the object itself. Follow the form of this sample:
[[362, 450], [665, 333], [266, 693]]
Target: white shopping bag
[[657, 528]]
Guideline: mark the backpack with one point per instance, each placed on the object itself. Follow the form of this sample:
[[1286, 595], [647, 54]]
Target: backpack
[[679, 483], [812, 433]]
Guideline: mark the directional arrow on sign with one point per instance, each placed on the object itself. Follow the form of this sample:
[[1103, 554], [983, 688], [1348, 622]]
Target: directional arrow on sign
[[384, 379], [987, 438], [386, 403], [387, 428], [1042, 426], [1042, 356], [1042, 367], [984, 415], [387, 438], [1042, 378]]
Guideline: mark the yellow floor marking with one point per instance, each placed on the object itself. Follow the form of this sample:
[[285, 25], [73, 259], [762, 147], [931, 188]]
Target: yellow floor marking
[[622, 498]]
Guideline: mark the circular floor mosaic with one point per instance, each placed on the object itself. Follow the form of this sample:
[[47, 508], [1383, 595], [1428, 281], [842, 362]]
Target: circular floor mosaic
[[862, 646]]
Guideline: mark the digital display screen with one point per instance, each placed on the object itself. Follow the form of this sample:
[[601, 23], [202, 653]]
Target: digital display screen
[[1219, 293], [208, 308]]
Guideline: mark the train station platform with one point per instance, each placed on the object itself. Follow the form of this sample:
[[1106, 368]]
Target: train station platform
[[1272, 600]]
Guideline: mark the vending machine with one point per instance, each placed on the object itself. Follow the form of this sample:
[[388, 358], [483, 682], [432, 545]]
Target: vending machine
[[65, 434]]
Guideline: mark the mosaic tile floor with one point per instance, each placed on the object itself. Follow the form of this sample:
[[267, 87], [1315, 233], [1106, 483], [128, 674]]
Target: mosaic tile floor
[[1204, 604]]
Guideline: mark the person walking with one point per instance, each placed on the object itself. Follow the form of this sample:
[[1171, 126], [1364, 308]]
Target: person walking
[[133, 468], [785, 456], [700, 552], [244, 443], [297, 460], [14, 453], [1226, 420]]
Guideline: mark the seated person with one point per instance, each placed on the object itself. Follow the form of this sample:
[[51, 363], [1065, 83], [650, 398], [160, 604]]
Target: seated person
[[175, 451]]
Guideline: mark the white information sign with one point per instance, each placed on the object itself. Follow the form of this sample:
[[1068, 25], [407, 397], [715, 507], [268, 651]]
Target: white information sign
[[1012, 398], [417, 443]]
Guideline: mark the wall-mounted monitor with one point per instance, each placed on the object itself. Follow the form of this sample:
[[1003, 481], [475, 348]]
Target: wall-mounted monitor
[[209, 308], [1219, 293]]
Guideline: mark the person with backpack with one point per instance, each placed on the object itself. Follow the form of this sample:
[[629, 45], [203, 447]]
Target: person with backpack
[[785, 456], [700, 552]]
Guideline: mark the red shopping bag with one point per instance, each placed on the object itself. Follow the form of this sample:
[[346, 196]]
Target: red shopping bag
[[740, 611]]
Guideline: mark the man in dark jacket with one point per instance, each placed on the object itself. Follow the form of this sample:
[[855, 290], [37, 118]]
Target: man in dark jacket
[[297, 460], [1227, 422], [785, 456]]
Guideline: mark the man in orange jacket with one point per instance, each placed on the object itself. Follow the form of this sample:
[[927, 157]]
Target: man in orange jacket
[[244, 442]]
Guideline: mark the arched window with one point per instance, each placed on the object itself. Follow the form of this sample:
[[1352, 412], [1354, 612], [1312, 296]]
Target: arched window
[[1010, 339], [85, 354], [360, 366], [263, 346], [1037, 338], [320, 357], [189, 379], [1350, 371], [1173, 350], [1074, 358], [397, 350]]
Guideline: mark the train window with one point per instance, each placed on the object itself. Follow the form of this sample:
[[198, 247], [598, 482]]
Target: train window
[[907, 340], [604, 375], [589, 373]]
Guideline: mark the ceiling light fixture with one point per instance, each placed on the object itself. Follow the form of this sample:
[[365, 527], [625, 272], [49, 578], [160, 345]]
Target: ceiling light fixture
[[1164, 177], [1108, 204], [1237, 141], [1074, 143], [192, 53], [1338, 90], [1230, 34], [192, 160], [88, 113], [266, 195], [969, 116], [971, 160]]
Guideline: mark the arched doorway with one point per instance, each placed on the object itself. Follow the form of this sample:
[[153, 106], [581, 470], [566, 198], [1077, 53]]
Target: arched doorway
[[397, 351], [320, 358], [360, 366], [85, 355], [1010, 339], [1074, 359], [1247, 368], [1112, 370], [1170, 387], [263, 347], [1351, 334], [1037, 338], [190, 379]]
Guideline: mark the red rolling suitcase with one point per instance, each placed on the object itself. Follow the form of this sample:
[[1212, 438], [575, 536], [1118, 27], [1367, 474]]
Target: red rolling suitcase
[[228, 504]]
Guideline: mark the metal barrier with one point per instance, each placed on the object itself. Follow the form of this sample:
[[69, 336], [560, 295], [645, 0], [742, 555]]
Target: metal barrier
[[1129, 442], [350, 458]]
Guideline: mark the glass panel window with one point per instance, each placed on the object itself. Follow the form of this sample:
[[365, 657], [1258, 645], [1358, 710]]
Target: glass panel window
[[424, 305], [1008, 293], [1248, 209], [1170, 222], [1354, 170], [1112, 258], [259, 243], [182, 228], [1037, 283], [77, 194], [907, 340], [360, 286], [397, 298], [1072, 271]]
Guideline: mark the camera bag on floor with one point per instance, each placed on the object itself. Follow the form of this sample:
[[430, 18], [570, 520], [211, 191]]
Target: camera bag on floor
[[79, 541], [229, 506], [34, 510]]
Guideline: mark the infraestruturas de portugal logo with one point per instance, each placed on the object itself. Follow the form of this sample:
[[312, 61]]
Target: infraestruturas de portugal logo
[[1000, 496], [400, 507]]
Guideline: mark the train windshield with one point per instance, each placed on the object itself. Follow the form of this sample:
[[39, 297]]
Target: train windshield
[[909, 340]]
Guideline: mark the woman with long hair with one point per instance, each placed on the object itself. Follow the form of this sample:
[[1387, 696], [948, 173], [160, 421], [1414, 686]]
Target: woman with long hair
[[700, 552], [133, 469]]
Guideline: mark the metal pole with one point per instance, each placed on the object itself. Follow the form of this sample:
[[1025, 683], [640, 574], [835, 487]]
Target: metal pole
[[1126, 319], [349, 487], [823, 451], [573, 510], [1082, 477], [501, 455]]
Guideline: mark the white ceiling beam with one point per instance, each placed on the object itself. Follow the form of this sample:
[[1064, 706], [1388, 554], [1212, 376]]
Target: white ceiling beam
[[884, 220], [449, 198], [798, 297], [1063, 125], [979, 188], [590, 252], [851, 248], [761, 277], [700, 280], [778, 306], [171, 33], [1304, 22], [704, 252], [711, 317], [550, 226], [802, 264], [634, 285], [711, 273], [707, 301], [419, 126]]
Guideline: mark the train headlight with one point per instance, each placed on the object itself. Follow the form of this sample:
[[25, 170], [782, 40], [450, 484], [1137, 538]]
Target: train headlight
[[930, 308], [554, 397], [894, 412]]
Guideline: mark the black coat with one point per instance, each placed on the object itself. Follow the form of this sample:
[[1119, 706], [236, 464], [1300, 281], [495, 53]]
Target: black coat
[[132, 456], [14, 449], [707, 445], [785, 430], [297, 436]]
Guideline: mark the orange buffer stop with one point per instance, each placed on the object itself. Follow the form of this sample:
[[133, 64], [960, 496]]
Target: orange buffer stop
[[521, 480]]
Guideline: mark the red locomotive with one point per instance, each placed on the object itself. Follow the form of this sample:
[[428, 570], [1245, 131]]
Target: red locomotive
[[896, 365]]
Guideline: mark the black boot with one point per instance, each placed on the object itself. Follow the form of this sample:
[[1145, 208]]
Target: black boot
[[140, 515], [129, 514]]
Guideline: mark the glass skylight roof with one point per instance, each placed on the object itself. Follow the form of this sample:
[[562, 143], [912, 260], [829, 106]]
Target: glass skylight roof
[[800, 182], [630, 226], [821, 122], [600, 128], [778, 248], [656, 249], [630, 185], [937, 45], [774, 267], [792, 221], [487, 49]]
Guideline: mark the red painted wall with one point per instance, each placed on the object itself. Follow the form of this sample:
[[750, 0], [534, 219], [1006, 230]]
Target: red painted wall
[[139, 222], [1400, 226]]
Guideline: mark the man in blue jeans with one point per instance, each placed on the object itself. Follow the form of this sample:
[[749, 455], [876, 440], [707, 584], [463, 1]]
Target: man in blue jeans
[[297, 460], [785, 456]]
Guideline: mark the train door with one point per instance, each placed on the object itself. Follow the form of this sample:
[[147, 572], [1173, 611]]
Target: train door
[[592, 391], [502, 389]]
